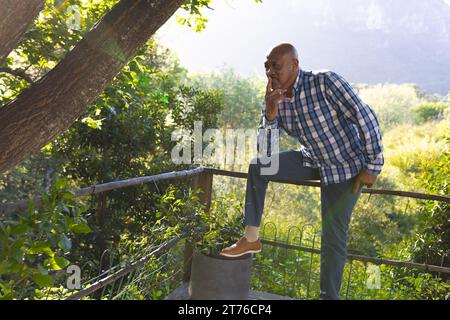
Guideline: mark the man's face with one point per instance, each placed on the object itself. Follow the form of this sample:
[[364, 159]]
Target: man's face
[[281, 67]]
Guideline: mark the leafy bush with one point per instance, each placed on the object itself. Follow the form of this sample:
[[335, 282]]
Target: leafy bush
[[433, 237], [431, 111], [35, 243], [212, 230], [392, 103]]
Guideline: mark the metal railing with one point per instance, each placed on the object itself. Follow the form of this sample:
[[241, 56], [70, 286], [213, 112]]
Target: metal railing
[[294, 257], [120, 274], [203, 178]]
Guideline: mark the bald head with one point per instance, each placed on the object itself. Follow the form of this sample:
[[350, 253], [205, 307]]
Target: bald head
[[282, 65], [284, 49]]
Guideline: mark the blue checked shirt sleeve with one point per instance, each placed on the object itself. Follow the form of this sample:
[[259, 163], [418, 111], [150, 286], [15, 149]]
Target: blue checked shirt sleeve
[[266, 138], [340, 92]]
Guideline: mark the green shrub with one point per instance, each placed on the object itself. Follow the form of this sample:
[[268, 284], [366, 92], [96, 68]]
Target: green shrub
[[431, 111], [34, 244]]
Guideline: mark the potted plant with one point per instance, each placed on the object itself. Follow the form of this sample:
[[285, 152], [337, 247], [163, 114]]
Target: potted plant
[[215, 277]]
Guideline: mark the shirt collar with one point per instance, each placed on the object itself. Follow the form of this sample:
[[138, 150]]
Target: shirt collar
[[299, 80]]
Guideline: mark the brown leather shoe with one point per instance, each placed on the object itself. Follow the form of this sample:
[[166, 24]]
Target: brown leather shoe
[[243, 246]]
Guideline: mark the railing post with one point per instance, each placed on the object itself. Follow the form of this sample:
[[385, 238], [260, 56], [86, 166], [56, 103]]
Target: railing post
[[204, 182]]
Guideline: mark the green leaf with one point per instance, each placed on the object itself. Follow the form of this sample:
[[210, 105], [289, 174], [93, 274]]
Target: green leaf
[[62, 262], [61, 184], [43, 280], [19, 229], [165, 99], [16, 249], [92, 123], [46, 200], [5, 267], [56, 263], [31, 206], [16, 267], [8, 231], [80, 228], [40, 247], [82, 208], [66, 209], [68, 195], [133, 75], [65, 243]]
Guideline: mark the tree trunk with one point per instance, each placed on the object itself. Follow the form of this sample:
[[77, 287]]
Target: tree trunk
[[15, 18], [53, 103]]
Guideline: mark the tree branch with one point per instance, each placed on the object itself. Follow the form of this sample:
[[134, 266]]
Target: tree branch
[[50, 106], [15, 18]]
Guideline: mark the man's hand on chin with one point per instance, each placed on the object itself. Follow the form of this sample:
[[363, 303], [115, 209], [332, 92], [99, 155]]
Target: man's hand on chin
[[363, 179]]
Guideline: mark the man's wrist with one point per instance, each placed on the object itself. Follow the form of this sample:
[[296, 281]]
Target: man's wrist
[[270, 124], [373, 172]]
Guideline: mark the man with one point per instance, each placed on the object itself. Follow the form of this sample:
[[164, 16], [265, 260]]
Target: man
[[342, 147]]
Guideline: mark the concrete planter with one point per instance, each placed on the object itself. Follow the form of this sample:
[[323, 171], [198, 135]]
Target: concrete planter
[[220, 278]]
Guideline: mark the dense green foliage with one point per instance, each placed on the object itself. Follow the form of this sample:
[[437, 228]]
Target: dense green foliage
[[34, 243]]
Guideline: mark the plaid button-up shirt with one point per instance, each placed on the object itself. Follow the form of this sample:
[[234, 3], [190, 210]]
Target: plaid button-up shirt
[[339, 133]]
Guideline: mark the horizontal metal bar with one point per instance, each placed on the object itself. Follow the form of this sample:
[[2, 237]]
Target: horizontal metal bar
[[23, 205], [123, 272], [399, 193], [377, 261]]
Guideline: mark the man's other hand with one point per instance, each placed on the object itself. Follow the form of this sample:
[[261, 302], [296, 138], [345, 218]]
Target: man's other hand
[[363, 179]]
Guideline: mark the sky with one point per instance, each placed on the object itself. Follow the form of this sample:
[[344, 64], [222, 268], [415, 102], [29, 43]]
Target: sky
[[239, 34]]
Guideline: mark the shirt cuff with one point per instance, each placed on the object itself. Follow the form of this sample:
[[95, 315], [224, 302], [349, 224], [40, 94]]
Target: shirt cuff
[[270, 124], [374, 169]]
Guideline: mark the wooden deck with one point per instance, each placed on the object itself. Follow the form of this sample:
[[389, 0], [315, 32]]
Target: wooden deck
[[181, 293]]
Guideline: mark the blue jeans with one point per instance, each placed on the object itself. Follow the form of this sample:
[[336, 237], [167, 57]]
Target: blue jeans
[[337, 203]]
